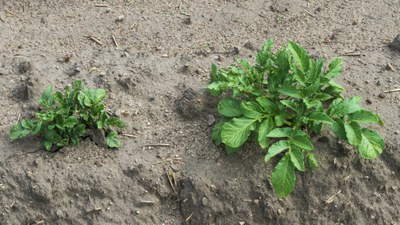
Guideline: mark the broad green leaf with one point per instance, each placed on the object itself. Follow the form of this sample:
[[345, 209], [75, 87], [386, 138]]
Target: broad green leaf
[[353, 133], [312, 161], [265, 127], [79, 130], [283, 177], [70, 122], [112, 141], [293, 105], [76, 85], [264, 54], [280, 119], [290, 91], [335, 69], [59, 97], [364, 116], [236, 132], [251, 109], [37, 128], [115, 121], [303, 142], [323, 96], [48, 145], [300, 56], [230, 150], [17, 131], [371, 145], [229, 108], [280, 132], [100, 95], [267, 105], [47, 99], [276, 148], [216, 132], [341, 107], [338, 129], [312, 88], [333, 88], [100, 124], [321, 117], [297, 158]]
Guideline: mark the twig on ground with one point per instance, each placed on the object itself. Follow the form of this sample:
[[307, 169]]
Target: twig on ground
[[148, 202], [114, 40], [330, 199], [133, 25], [93, 69], [171, 179], [96, 209], [351, 54], [11, 13], [189, 217], [129, 135], [157, 145], [92, 38], [100, 5], [393, 90], [310, 14], [2, 20]]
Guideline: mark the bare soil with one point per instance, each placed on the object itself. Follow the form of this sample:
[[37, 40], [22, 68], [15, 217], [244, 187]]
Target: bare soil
[[156, 71]]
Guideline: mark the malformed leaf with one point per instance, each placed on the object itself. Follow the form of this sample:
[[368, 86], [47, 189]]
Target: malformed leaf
[[276, 148], [371, 145], [303, 142], [297, 158], [283, 177], [236, 132], [229, 108]]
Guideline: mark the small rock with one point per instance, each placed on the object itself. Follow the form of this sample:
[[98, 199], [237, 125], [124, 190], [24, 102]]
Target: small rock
[[59, 213], [137, 212], [382, 95], [368, 101], [204, 201], [120, 18], [187, 21], [389, 67], [249, 46], [98, 136], [395, 44], [397, 132], [210, 120], [73, 71], [3, 71]]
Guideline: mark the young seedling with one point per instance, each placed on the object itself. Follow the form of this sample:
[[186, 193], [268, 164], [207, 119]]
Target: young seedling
[[66, 117], [283, 100]]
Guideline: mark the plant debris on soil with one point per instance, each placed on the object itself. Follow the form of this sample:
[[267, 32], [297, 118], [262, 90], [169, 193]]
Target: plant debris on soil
[[154, 58]]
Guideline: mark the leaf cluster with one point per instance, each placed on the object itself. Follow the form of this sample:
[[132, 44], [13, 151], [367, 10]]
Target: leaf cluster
[[282, 101], [64, 118]]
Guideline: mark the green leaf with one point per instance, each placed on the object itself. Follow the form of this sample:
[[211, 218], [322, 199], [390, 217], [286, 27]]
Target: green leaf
[[321, 117], [216, 132], [280, 119], [17, 131], [276, 148], [300, 56], [290, 91], [114, 121], [47, 99], [100, 95], [335, 69], [280, 132], [333, 88], [312, 161], [364, 116], [340, 107], [338, 129], [48, 145], [265, 127], [297, 158], [267, 105], [303, 142], [230, 150], [251, 109], [229, 108], [76, 85], [70, 122], [283, 177], [112, 141], [236, 132], [353, 133], [37, 128], [371, 145]]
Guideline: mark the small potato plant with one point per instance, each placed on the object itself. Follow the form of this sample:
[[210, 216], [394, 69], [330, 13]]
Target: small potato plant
[[282, 101], [66, 117]]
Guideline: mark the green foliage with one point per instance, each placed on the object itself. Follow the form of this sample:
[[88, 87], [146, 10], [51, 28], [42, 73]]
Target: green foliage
[[284, 99], [65, 117]]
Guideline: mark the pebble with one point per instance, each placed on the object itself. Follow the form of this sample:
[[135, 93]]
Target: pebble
[[382, 95], [120, 18], [397, 132], [204, 201], [210, 120]]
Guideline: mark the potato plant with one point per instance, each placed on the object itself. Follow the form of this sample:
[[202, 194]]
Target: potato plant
[[282, 101], [66, 117]]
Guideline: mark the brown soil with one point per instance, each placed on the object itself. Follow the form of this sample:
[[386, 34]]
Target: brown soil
[[156, 79]]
